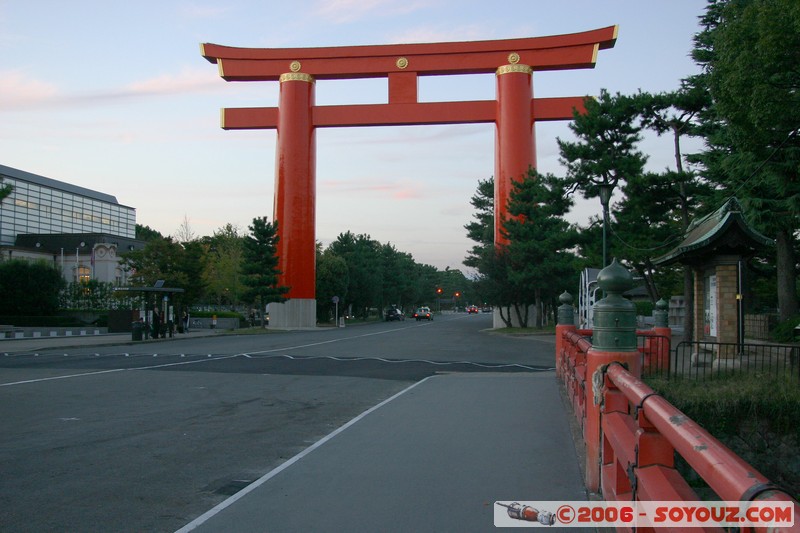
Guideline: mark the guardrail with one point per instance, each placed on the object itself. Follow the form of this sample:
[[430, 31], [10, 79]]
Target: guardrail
[[632, 435]]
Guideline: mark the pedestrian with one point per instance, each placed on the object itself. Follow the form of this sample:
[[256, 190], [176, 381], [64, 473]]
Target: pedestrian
[[185, 319], [156, 324]]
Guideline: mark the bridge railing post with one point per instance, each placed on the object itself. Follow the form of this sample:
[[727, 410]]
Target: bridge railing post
[[614, 340], [566, 324], [664, 336]]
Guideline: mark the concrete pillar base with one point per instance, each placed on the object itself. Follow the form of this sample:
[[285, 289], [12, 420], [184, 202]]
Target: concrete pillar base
[[297, 313], [509, 311], [702, 358], [497, 322], [726, 364]]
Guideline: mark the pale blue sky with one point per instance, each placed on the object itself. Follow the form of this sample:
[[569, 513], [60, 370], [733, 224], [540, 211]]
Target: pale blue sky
[[114, 96]]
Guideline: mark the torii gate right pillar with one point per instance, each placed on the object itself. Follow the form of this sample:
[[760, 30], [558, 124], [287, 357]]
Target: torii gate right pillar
[[515, 147]]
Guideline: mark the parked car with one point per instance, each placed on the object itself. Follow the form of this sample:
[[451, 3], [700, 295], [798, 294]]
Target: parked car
[[423, 313], [394, 314], [472, 309]]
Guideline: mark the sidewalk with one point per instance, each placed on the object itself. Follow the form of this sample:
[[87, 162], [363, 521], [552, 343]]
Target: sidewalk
[[30, 344], [435, 457]]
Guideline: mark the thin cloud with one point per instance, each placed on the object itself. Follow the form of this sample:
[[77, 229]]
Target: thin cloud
[[18, 92], [189, 80], [392, 190]]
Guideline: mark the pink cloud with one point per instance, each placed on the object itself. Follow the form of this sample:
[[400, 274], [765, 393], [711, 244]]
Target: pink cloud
[[187, 80], [18, 90], [404, 191]]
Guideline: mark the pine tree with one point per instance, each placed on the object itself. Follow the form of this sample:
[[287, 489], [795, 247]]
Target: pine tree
[[260, 265]]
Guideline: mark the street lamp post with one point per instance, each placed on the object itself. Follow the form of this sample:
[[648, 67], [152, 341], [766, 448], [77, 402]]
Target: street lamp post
[[605, 197]]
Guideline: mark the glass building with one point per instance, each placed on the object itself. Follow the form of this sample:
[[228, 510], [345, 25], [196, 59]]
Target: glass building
[[43, 205], [77, 228]]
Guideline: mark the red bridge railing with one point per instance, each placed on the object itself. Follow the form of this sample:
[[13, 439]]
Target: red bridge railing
[[632, 433]]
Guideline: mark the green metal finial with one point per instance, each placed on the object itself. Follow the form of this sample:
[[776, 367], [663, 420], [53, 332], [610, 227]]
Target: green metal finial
[[615, 278], [565, 298], [614, 316], [566, 316]]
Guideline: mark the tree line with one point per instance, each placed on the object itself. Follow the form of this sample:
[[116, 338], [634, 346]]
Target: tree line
[[745, 107], [239, 270]]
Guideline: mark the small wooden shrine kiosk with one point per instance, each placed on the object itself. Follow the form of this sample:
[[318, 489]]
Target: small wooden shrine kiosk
[[715, 247]]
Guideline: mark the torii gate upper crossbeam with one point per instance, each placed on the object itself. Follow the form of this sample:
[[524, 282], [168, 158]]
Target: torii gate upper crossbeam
[[557, 52]]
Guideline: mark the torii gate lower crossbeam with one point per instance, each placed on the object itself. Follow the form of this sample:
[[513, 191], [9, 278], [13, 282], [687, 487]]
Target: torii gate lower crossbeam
[[296, 118]]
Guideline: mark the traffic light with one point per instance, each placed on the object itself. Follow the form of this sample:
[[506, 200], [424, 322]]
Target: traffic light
[[439, 290]]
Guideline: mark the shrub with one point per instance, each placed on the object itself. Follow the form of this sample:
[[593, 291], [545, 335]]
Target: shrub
[[755, 416], [784, 332]]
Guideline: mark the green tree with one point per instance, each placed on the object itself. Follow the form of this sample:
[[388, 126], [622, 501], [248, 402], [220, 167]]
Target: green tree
[[492, 284], [222, 275], [332, 280], [541, 261], [397, 284], [481, 229], [193, 264], [750, 51], [605, 152], [146, 233], [425, 279], [678, 193], [89, 295], [260, 264], [481, 256], [644, 226], [362, 255], [29, 288], [160, 259]]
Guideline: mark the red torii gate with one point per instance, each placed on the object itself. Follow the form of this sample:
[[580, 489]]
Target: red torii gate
[[296, 118]]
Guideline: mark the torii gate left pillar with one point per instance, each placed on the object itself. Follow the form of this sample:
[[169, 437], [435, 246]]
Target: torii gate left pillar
[[514, 113], [295, 196]]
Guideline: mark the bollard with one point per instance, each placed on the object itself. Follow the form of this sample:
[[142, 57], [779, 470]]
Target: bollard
[[566, 323], [614, 339], [661, 314]]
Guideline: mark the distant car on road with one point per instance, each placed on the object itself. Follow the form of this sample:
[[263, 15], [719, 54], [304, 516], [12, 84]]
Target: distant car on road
[[423, 313], [394, 314], [472, 309]]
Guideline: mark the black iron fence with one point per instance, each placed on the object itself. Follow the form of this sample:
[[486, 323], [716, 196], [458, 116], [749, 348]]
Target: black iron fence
[[702, 360]]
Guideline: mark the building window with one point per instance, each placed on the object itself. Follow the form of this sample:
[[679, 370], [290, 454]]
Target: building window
[[83, 274]]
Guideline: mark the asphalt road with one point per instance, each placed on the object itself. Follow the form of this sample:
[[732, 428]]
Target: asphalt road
[[148, 436]]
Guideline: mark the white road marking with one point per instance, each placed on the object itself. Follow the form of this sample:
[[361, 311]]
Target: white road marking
[[269, 475]]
